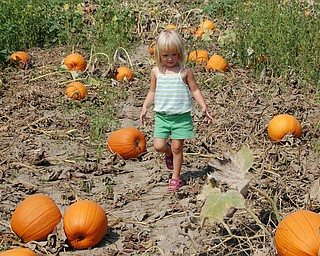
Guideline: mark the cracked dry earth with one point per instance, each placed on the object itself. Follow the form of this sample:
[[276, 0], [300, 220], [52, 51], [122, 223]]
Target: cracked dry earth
[[45, 148]]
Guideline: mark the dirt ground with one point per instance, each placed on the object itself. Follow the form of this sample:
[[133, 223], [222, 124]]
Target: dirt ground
[[45, 149]]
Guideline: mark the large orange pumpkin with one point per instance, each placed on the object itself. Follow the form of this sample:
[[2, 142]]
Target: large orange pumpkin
[[283, 124], [124, 73], [35, 218], [128, 142], [298, 234], [199, 56], [76, 90], [85, 224], [18, 252], [217, 62], [75, 61]]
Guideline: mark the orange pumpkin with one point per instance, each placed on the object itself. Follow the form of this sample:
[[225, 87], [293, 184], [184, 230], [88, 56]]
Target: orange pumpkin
[[124, 73], [298, 234], [76, 90], [283, 124], [199, 56], [20, 59], [85, 224], [151, 48], [128, 142], [35, 218], [199, 32], [18, 252], [207, 24], [170, 26], [217, 62], [19, 56], [75, 61]]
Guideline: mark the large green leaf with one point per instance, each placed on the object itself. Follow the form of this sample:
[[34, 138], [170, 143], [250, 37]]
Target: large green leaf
[[217, 203]]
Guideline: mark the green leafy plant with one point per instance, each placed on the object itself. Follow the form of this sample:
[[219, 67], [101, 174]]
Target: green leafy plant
[[233, 171], [281, 40]]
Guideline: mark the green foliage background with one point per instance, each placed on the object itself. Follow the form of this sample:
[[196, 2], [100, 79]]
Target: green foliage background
[[279, 31], [34, 23]]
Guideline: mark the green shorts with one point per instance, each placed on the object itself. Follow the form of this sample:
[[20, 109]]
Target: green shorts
[[179, 126]]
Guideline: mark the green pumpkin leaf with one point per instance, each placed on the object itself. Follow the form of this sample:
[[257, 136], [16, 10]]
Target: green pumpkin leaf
[[217, 203], [94, 82]]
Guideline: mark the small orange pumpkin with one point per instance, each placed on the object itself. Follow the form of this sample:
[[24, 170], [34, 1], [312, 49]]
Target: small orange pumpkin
[[207, 24], [283, 124], [85, 224], [151, 48], [75, 61], [298, 234], [22, 59], [124, 73], [199, 56], [76, 90], [18, 252], [19, 56], [35, 218], [128, 142], [200, 32], [217, 62], [170, 26]]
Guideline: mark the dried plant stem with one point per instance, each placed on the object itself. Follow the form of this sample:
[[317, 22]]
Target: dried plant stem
[[272, 202], [25, 165], [49, 74], [230, 238], [256, 219], [125, 51], [153, 247], [200, 154]]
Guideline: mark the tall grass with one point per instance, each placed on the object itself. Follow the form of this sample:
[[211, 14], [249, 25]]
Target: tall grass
[[34, 23], [283, 33]]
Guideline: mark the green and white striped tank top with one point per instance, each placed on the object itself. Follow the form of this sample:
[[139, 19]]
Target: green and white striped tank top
[[172, 95]]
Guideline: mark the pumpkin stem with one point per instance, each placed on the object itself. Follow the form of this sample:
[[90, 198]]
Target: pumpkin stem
[[77, 93], [137, 143], [80, 238]]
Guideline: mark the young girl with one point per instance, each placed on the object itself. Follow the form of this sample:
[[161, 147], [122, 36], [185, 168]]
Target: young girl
[[170, 87]]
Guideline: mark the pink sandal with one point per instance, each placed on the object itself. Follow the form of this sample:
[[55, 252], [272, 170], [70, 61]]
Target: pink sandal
[[169, 161], [175, 184]]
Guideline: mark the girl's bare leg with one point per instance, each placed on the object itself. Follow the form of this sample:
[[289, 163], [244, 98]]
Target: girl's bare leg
[[177, 151], [161, 146]]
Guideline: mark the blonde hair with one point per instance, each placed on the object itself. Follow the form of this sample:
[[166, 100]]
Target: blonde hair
[[169, 41]]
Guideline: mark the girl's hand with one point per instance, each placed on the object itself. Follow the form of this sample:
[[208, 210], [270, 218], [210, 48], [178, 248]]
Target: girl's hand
[[208, 117], [143, 115]]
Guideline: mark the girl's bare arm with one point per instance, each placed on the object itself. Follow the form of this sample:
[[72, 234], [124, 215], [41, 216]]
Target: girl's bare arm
[[150, 96], [197, 94]]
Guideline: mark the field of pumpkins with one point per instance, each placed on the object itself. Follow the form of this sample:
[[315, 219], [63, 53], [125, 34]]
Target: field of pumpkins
[[252, 177]]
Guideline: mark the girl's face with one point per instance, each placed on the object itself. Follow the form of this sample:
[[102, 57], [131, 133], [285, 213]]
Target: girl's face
[[170, 59]]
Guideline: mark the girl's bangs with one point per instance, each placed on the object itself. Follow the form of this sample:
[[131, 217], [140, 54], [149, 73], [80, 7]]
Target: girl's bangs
[[169, 47]]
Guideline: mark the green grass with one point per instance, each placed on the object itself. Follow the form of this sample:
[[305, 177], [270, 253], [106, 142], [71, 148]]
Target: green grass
[[289, 39], [34, 23]]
